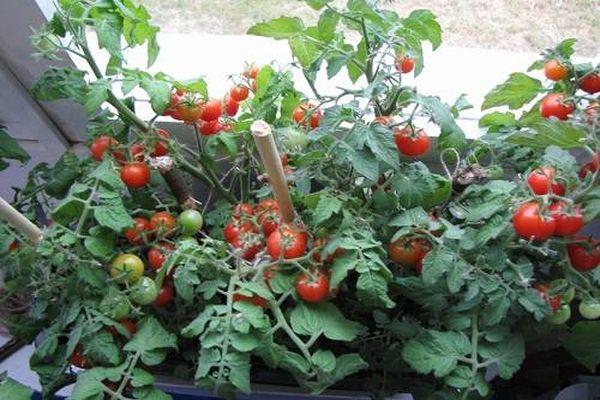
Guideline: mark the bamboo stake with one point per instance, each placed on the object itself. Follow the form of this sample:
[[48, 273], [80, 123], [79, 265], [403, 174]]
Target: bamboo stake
[[261, 131], [20, 222]]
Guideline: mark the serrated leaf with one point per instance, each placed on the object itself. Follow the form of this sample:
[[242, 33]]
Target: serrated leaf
[[518, 90], [11, 149], [582, 343], [324, 359], [13, 390], [327, 23], [372, 289], [308, 319], [151, 340], [159, 93], [412, 217], [508, 354], [437, 263], [304, 49], [543, 133], [196, 327], [101, 348], [326, 207], [436, 352], [278, 28], [381, 143], [113, 214], [365, 164], [451, 136], [101, 242], [498, 119]]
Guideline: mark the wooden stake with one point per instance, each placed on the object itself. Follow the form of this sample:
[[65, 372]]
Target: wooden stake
[[20, 222], [261, 131]]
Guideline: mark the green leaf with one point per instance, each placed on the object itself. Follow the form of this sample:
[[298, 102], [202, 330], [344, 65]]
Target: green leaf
[[141, 377], [457, 275], [97, 94], [340, 268], [13, 390], [11, 149], [308, 319], [63, 175], [278, 28], [348, 364], [304, 49], [101, 242], [317, 4], [61, 83], [244, 342], [324, 359], [326, 207], [89, 383], [159, 93], [196, 327], [498, 119], [372, 289], [582, 343], [437, 263], [424, 23], [534, 303], [518, 90], [412, 217], [101, 348], [365, 164], [508, 354], [451, 134], [436, 352], [327, 23], [545, 132], [382, 144], [106, 173], [112, 214], [566, 47], [151, 340], [460, 378], [419, 187], [108, 29]]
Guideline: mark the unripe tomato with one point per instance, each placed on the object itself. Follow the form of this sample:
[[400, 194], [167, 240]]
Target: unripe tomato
[[188, 110], [163, 223], [239, 93], [212, 110], [560, 316], [410, 142], [590, 83], [552, 106], [529, 224], [566, 223], [287, 242], [584, 255], [126, 268], [115, 306], [191, 222], [157, 255], [144, 292], [541, 181], [256, 299], [555, 71], [161, 147], [165, 295], [312, 288], [135, 175], [99, 146], [404, 64], [590, 309], [136, 235]]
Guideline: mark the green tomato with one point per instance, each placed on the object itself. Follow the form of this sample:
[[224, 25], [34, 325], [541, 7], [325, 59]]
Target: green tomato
[[294, 138], [191, 222], [495, 172], [568, 295], [115, 305], [590, 309], [560, 316], [144, 292]]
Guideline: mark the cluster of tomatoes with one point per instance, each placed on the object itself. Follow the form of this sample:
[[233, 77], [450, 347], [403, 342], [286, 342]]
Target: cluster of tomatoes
[[254, 229], [562, 218], [307, 115], [208, 115], [135, 172], [558, 104]]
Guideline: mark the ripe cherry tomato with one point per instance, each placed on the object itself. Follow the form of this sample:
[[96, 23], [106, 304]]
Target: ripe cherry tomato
[[407, 252], [300, 112], [560, 316], [231, 106], [590, 167], [541, 181], [312, 288], [411, 143], [176, 98], [239, 93], [590, 309], [144, 292], [212, 110], [233, 230], [136, 151], [165, 295], [320, 243], [191, 222], [136, 235], [590, 83], [404, 64], [157, 255], [127, 267], [555, 71], [251, 72], [269, 221], [188, 110], [242, 211], [584, 255], [287, 242], [552, 106], [567, 223], [529, 224], [135, 175], [315, 119], [553, 301], [249, 243], [210, 127], [99, 146], [13, 246], [266, 205], [256, 299], [163, 222], [161, 147], [78, 359]]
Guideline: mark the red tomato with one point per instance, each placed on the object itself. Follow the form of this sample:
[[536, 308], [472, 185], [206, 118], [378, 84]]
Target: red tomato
[[320, 243], [188, 110], [555, 71], [256, 299], [552, 106], [541, 181], [590, 83], [135, 175], [157, 255], [165, 295], [553, 301], [231, 106], [176, 98], [13, 246], [287, 242], [212, 110], [407, 252], [239, 93], [300, 112], [315, 119], [411, 143], [161, 147], [266, 205], [163, 222], [584, 254], [136, 235], [78, 359], [210, 127], [250, 243], [233, 230], [242, 210], [99, 146], [529, 224], [590, 167], [269, 221], [137, 152], [404, 64], [284, 159], [312, 288], [566, 223], [251, 72]]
